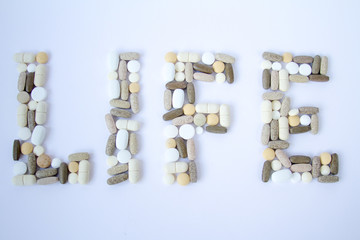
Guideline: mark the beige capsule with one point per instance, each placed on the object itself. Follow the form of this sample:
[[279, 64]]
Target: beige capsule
[[303, 59], [283, 128], [204, 77], [78, 156], [285, 107], [124, 90], [120, 113], [110, 123], [224, 58], [22, 115], [316, 165], [298, 78], [47, 180], [119, 103], [182, 120], [266, 79], [24, 180], [193, 171], [272, 57], [134, 170], [122, 71], [129, 56], [314, 124], [308, 110], [133, 143], [301, 167], [283, 158], [117, 169], [134, 102], [189, 72], [167, 99], [278, 144], [40, 75], [84, 172], [324, 65], [315, 69], [274, 130], [274, 82], [190, 146], [272, 96], [265, 134]]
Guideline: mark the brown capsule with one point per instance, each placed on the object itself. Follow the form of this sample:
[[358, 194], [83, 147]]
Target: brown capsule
[[48, 172], [299, 129], [278, 144], [29, 82], [274, 130], [181, 147], [229, 73], [22, 82], [283, 158], [285, 107], [110, 145], [117, 169], [315, 69], [120, 113], [272, 96], [265, 134], [119, 103], [303, 59], [274, 80], [118, 179], [31, 120], [63, 173], [190, 90], [110, 123], [173, 114], [167, 99], [124, 90], [300, 159], [266, 79], [334, 164], [129, 56], [319, 78], [134, 102], [31, 164], [316, 165], [175, 85], [216, 129], [328, 179], [133, 143], [308, 110], [122, 70], [266, 172], [300, 167], [47, 180], [16, 150], [189, 72], [203, 68], [192, 171], [272, 57]]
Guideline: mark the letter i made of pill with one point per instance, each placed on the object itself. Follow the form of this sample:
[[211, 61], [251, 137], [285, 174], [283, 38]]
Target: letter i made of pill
[[180, 73], [280, 121], [32, 164], [122, 144]]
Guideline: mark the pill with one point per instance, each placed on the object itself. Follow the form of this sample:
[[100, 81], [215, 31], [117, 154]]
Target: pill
[[171, 155], [29, 57], [131, 125], [21, 67], [134, 77], [199, 130], [110, 123], [274, 130], [266, 171], [183, 179], [122, 70], [281, 176], [21, 81], [73, 167], [306, 177], [110, 145], [55, 163], [275, 115], [272, 96], [325, 158], [278, 144], [283, 158], [84, 172], [229, 73], [181, 147], [23, 97], [24, 180], [31, 164], [19, 168], [29, 85], [268, 154], [129, 56], [192, 172], [218, 67], [276, 165], [117, 169], [314, 124], [18, 57], [305, 120], [190, 146], [199, 119], [305, 69], [180, 76], [134, 102], [203, 77], [274, 80], [287, 57], [189, 72], [316, 164], [32, 105], [334, 164], [216, 129], [171, 131], [119, 103], [300, 159], [308, 110], [189, 109], [113, 61], [24, 133], [122, 139], [187, 131], [190, 90], [208, 58], [43, 161], [170, 143], [298, 78], [299, 129], [176, 85], [182, 120], [220, 77], [328, 179], [294, 112], [225, 117], [266, 79], [120, 113], [170, 57], [179, 66], [42, 57], [31, 68], [111, 161], [176, 167], [49, 172], [265, 134], [134, 170], [41, 113], [133, 143], [324, 65], [134, 87], [285, 107], [16, 150], [272, 57], [26, 148], [63, 173], [183, 56], [133, 66], [212, 119], [173, 114], [283, 80], [113, 89], [76, 157], [292, 68], [301, 167], [207, 108], [325, 170], [303, 59], [167, 99], [319, 78], [266, 64], [315, 69], [73, 178], [224, 58], [169, 178], [40, 75], [178, 98], [39, 94], [266, 111], [276, 66], [124, 156], [47, 180], [296, 177], [294, 121], [124, 90], [202, 68]]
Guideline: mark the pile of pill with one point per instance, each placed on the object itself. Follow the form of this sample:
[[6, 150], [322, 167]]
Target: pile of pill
[[280, 120], [31, 117], [122, 144], [188, 118]]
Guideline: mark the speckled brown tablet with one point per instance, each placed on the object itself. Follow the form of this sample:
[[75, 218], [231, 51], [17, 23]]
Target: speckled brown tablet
[[167, 99], [31, 120], [314, 125], [285, 107], [119, 103], [47, 180], [181, 147], [118, 179], [334, 164], [272, 57], [319, 78], [124, 90], [316, 164], [328, 179], [229, 73], [300, 159], [23, 97], [117, 169], [303, 59], [266, 171], [315, 69], [190, 90], [31, 164], [203, 68], [272, 96], [173, 114], [22, 81], [129, 56], [308, 110], [110, 123], [266, 79], [29, 86], [204, 77], [43, 161], [283, 158], [63, 173], [216, 129], [298, 78], [16, 150], [274, 130], [122, 70], [133, 143], [134, 102], [192, 172], [48, 172], [274, 80], [78, 156], [299, 129], [110, 145], [120, 113], [300, 167], [176, 85], [265, 134], [278, 144]]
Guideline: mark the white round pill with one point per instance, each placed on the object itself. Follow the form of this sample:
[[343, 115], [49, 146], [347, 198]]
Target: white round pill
[[31, 67], [113, 75], [199, 130], [133, 66], [168, 72], [72, 178], [21, 67], [170, 131], [305, 120], [220, 77], [56, 162], [325, 170], [266, 64], [20, 168], [32, 105], [24, 133], [276, 105], [169, 178], [208, 58], [134, 77], [111, 161], [38, 150], [187, 131], [305, 69], [292, 67], [171, 155], [39, 94], [294, 112], [306, 177], [276, 165], [124, 156], [179, 66], [180, 76], [296, 177], [276, 66], [275, 115]]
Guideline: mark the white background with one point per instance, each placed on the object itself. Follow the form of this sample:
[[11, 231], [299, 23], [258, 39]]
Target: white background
[[229, 201]]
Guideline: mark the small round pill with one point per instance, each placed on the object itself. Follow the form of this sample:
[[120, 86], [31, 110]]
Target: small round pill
[[26, 148], [292, 67], [134, 77], [73, 167], [189, 109], [171, 155], [305, 120], [32, 105], [170, 143], [325, 158], [179, 66], [169, 178], [133, 66], [124, 156], [43, 161], [325, 170], [305, 69], [293, 112], [294, 120], [56, 162], [276, 165], [269, 154], [208, 58], [199, 130], [42, 57], [276, 105], [113, 75], [212, 119], [287, 57], [23, 97], [296, 177], [171, 131], [266, 64], [170, 57], [183, 179], [179, 76], [31, 68], [112, 161], [220, 77], [24, 133], [20, 168], [275, 115], [306, 177], [218, 67], [21, 67], [276, 66], [39, 94], [187, 131], [199, 119], [38, 150], [72, 178], [134, 87]]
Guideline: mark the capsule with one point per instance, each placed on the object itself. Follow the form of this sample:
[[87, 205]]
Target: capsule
[[207, 108], [283, 128], [40, 75], [22, 115], [266, 111], [134, 170], [284, 80], [130, 125], [176, 167], [224, 115], [84, 172], [122, 139], [24, 180], [41, 112]]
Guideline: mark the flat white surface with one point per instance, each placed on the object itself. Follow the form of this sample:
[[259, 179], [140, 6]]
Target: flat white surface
[[229, 201]]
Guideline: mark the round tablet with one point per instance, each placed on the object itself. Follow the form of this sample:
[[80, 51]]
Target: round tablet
[[266, 64], [187, 131], [133, 66], [56, 162], [325, 170], [305, 69], [212, 119], [293, 112], [218, 67], [276, 66], [268, 154], [170, 143], [72, 178], [276, 105], [179, 66], [305, 120], [21, 67], [20, 168], [31, 68], [42, 57], [113, 75], [325, 158], [38, 150], [43, 161], [134, 77], [220, 77], [208, 58], [39, 94], [306, 177], [169, 178], [73, 167], [32, 105], [170, 131], [111, 161], [199, 119], [171, 155], [189, 109], [24, 133], [179, 76], [170, 57], [276, 165], [124, 156], [296, 177], [134, 87], [26, 148], [183, 179], [23, 97], [294, 120], [292, 67], [287, 57], [275, 115], [199, 130]]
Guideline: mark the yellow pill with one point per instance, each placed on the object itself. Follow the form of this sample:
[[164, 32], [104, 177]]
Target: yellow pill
[[294, 120], [212, 119], [42, 57], [183, 179], [325, 158], [287, 57], [134, 87], [170, 57], [218, 67], [171, 143], [26, 148], [73, 167], [189, 109], [269, 154]]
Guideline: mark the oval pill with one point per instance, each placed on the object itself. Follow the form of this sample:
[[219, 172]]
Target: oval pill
[[113, 61], [114, 89], [168, 72], [84, 172], [266, 111], [122, 139], [283, 80], [281, 176], [283, 128], [19, 168], [178, 98], [38, 135]]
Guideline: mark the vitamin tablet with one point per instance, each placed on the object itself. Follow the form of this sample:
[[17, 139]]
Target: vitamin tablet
[[296, 177], [182, 120], [283, 128], [134, 171], [171, 131], [43, 161], [203, 68], [24, 133], [134, 77], [328, 179], [199, 130], [218, 67], [268, 154], [275, 115], [117, 169], [73, 167], [173, 114], [183, 179], [276, 105], [38, 150], [111, 161], [266, 171], [199, 119], [266, 111], [306, 177], [274, 130], [292, 68], [325, 170], [281, 176], [26, 148], [78, 156], [124, 156], [180, 76], [294, 121], [49, 172], [324, 65], [20, 168], [170, 57], [220, 77], [207, 108], [283, 80], [187, 131], [178, 98], [189, 109], [42, 57], [325, 158], [305, 69], [23, 97], [334, 165], [266, 64], [204, 77], [274, 80], [56, 162], [285, 107], [179, 66], [276, 165], [171, 155], [168, 72], [212, 119], [287, 57], [31, 68], [113, 76], [113, 89], [133, 66], [38, 135], [134, 87], [305, 120], [276, 66], [170, 143], [294, 112], [39, 94], [169, 178], [208, 58], [73, 178]]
